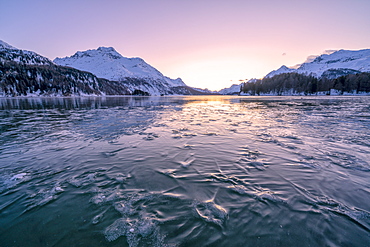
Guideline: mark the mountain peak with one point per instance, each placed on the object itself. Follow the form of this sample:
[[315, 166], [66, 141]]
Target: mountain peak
[[106, 49], [110, 51], [283, 68], [101, 51]]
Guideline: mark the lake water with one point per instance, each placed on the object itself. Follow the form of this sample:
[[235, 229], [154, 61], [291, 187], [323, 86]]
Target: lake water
[[185, 171]]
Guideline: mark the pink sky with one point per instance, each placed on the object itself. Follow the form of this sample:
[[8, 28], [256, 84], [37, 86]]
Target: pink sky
[[208, 43]]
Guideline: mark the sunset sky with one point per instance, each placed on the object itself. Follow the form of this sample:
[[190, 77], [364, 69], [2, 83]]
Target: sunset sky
[[208, 43]]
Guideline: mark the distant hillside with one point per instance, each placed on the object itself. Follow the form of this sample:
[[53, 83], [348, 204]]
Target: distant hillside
[[235, 89], [25, 73], [336, 64]]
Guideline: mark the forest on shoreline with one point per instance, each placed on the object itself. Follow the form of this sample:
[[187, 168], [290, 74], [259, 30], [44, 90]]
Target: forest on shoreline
[[295, 83]]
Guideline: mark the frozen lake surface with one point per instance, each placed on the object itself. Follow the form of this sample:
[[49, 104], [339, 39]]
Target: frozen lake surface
[[185, 171]]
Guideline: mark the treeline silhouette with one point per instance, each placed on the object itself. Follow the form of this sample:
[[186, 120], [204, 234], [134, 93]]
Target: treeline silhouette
[[295, 83], [18, 79]]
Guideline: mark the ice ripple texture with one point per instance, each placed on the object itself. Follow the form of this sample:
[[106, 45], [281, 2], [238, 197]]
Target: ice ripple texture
[[185, 171]]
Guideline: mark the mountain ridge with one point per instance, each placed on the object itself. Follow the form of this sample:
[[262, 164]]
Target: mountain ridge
[[8, 52], [355, 60], [107, 63]]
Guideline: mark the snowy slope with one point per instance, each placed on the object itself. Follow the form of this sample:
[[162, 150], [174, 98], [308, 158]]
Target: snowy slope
[[8, 52], [106, 62], [206, 91], [234, 89], [283, 69], [5, 45], [340, 62]]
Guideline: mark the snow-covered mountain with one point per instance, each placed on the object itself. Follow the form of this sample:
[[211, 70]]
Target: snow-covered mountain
[[95, 72], [233, 89], [283, 69], [332, 65], [106, 62], [206, 91], [26, 73]]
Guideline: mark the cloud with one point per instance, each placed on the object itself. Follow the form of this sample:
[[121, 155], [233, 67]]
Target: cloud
[[310, 58], [328, 52]]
